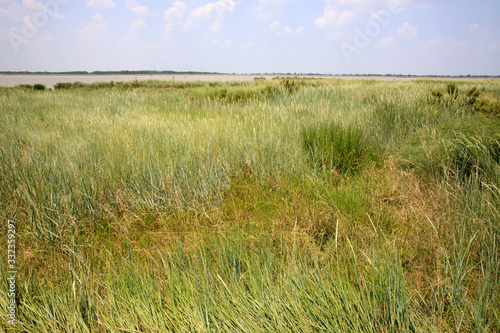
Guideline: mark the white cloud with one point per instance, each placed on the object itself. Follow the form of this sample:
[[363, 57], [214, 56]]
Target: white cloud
[[28, 24], [385, 43], [485, 38], [33, 5], [137, 9], [100, 4], [176, 11], [328, 16], [433, 42], [167, 30], [345, 17], [95, 29], [270, 8], [342, 12], [188, 24], [408, 31], [332, 16], [474, 27], [274, 25], [173, 15], [136, 25], [227, 43], [289, 31], [14, 12], [211, 9]]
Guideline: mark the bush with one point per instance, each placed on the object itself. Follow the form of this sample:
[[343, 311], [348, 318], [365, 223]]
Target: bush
[[452, 91], [291, 86], [472, 95], [335, 148], [437, 95], [62, 85], [39, 86], [69, 85], [25, 86]]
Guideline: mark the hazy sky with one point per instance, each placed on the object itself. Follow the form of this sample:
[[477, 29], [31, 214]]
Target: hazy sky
[[252, 36]]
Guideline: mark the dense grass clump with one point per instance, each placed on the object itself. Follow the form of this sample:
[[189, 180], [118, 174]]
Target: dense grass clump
[[163, 206], [336, 149], [462, 148]]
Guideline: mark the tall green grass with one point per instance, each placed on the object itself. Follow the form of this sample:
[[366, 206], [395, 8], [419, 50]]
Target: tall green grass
[[334, 149], [226, 284], [153, 207]]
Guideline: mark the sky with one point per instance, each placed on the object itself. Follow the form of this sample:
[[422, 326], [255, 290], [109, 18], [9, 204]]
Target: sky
[[440, 37]]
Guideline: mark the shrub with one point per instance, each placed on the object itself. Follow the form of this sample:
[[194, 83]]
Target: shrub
[[436, 97], [452, 91], [472, 95], [39, 86], [69, 85], [62, 85], [336, 149], [25, 86], [437, 94], [290, 85]]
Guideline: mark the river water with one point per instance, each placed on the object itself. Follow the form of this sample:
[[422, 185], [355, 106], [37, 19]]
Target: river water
[[12, 80]]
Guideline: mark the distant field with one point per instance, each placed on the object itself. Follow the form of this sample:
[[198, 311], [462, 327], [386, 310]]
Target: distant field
[[228, 204]]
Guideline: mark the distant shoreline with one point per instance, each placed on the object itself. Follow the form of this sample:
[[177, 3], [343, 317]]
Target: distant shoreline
[[169, 72], [50, 80]]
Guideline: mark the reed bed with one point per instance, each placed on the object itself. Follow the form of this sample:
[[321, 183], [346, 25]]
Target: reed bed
[[294, 205]]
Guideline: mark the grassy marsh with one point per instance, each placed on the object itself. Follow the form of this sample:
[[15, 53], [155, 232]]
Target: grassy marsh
[[266, 206]]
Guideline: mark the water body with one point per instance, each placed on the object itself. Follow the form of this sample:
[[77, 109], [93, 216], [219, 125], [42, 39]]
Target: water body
[[12, 80]]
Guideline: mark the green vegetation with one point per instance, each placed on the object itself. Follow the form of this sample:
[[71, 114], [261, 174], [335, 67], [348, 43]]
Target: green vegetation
[[335, 149], [37, 86], [461, 148], [279, 205]]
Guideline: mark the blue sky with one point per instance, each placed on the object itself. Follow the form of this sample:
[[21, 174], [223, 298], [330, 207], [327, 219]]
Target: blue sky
[[440, 37]]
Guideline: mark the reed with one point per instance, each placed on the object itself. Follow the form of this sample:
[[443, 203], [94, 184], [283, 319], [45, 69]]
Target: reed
[[264, 206]]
